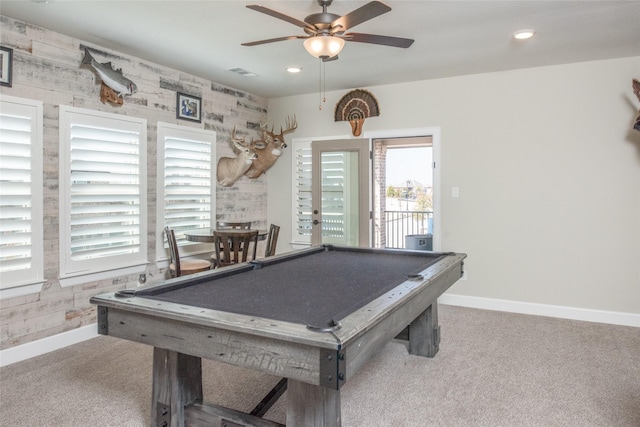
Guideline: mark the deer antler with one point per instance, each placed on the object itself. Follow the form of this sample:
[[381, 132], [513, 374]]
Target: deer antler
[[234, 138], [290, 126]]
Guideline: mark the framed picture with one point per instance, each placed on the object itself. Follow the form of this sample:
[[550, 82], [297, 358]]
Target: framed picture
[[188, 107], [6, 65]]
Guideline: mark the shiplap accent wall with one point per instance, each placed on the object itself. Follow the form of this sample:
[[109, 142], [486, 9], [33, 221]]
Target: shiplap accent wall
[[47, 67]]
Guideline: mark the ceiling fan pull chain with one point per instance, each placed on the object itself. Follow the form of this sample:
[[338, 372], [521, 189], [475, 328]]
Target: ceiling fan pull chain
[[320, 85], [324, 81]]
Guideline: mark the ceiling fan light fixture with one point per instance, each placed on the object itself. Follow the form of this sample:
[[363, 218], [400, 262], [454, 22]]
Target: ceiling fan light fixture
[[323, 46]]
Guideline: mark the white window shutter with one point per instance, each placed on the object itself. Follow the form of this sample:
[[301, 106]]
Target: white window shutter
[[21, 230], [103, 211], [302, 192], [186, 186]]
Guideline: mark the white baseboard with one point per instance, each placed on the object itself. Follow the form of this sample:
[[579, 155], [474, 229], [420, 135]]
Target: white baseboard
[[562, 312], [45, 345], [55, 342]]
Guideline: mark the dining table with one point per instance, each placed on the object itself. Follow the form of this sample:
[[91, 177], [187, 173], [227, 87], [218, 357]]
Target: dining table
[[206, 235]]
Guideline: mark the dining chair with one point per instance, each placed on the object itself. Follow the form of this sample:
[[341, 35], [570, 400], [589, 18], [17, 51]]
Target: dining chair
[[272, 240], [232, 247], [178, 267], [229, 225]]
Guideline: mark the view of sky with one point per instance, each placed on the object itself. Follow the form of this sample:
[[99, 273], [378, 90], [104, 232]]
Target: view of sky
[[409, 163]]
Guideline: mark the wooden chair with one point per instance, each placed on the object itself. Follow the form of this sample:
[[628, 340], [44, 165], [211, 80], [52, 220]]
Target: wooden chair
[[232, 247], [272, 240], [177, 267], [244, 225], [229, 225]]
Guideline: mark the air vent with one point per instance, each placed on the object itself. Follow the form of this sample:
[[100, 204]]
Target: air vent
[[242, 72]]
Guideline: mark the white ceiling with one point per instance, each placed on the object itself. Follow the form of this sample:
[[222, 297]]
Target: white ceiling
[[451, 37]]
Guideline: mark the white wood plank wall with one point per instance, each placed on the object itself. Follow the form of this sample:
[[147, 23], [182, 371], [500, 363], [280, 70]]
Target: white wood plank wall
[[47, 67]]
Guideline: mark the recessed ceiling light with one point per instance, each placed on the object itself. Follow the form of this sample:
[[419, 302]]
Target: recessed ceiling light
[[294, 70], [524, 34]]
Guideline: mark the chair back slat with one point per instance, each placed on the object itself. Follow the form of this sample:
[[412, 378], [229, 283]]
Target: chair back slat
[[272, 240], [173, 251], [232, 247]]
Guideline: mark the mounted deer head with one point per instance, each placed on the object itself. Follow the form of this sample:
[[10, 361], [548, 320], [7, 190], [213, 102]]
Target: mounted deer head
[[271, 149], [232, 168]]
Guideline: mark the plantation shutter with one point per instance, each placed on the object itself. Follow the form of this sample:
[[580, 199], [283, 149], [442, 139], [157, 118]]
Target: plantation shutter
[[21, 192], [188, 187], [303, 192], [107, 193]]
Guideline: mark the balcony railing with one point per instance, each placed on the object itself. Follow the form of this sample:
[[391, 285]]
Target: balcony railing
[[399, 224]]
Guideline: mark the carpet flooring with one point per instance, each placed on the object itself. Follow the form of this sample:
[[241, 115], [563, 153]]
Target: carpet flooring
[[493, 369]]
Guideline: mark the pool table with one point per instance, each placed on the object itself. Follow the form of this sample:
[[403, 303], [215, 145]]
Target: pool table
[[313, 317]]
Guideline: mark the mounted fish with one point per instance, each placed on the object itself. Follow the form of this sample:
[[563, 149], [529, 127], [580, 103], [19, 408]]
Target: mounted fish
[[355, 107], [113, 79]]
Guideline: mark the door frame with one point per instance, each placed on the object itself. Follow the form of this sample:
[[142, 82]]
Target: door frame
[[362, 146], [435, 134]]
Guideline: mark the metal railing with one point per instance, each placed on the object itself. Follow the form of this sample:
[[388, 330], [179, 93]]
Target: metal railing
[[399, 224]]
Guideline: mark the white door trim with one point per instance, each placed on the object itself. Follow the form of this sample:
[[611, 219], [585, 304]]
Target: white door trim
[[434, 132]]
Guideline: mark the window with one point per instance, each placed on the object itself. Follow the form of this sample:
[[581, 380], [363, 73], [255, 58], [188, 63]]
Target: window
[[102, 192], [186, 187], [21, 213]]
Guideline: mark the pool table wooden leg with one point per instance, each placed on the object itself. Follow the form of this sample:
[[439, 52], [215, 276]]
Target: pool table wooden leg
[[424, 333], [177, 381], [311, 405]]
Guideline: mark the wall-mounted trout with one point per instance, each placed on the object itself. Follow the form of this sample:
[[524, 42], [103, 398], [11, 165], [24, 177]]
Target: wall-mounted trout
[[110, 77]]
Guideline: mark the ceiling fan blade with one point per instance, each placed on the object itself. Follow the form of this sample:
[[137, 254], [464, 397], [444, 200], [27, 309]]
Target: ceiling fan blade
[[377, 39], [360, 15], [277, 39], [279, 15]]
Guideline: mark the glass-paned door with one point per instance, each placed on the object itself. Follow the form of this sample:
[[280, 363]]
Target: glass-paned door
[[340, 192]]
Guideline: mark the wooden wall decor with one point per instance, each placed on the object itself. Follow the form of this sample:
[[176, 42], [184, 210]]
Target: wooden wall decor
[[355, 107], [114, 84]]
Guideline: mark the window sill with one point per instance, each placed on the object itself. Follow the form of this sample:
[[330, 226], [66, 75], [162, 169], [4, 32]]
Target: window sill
[[21, 290], [94, 277]]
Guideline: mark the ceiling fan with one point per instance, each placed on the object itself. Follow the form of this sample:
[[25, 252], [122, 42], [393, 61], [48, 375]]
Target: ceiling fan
[[326, 32]]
